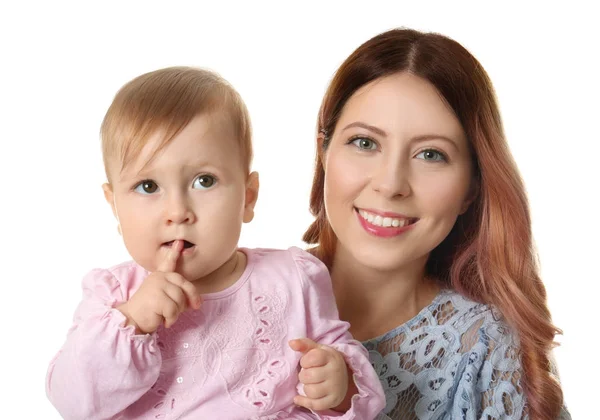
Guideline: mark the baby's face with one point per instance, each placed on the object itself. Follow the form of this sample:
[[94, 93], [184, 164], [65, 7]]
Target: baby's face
[[195, 189]]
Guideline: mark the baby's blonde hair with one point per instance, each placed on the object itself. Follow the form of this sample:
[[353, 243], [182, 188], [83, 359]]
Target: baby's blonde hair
[[166, 100]]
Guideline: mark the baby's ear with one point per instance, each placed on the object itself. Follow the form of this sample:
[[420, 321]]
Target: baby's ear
[[251, 197], [109, 196]]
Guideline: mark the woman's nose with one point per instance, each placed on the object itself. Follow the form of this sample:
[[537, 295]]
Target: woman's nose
[[392, 179]]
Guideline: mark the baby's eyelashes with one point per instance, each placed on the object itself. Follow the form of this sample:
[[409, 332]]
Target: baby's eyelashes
[[147, 186]]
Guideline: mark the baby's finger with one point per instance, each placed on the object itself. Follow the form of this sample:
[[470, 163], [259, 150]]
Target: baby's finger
[[315, 358], [177, 295], [303, 345], [170, 313], [170, 321], [312, 376], [313, 404], [316, 391], [169, 264], [194, 299]]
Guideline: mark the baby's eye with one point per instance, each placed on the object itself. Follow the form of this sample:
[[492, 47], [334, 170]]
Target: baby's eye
[[146, 187], [364, 143], [204, 182], [432, 155]]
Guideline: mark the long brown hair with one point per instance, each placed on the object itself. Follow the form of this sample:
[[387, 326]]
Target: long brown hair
[[489, 255]]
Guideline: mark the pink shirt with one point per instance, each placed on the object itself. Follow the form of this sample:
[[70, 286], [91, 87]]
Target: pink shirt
[[228, 360]]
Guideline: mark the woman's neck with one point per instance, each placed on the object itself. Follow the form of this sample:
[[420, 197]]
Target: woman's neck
[[375, 301]]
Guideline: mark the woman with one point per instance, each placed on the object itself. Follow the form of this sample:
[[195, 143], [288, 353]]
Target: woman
[[423, 221]]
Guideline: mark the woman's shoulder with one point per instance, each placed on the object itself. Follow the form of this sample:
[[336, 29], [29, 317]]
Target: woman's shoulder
[[455, 346], [468, 316], [452, 314]]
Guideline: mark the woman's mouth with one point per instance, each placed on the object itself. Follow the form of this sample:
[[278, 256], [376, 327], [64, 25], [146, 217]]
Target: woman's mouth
[[386, 221], [386, 225]]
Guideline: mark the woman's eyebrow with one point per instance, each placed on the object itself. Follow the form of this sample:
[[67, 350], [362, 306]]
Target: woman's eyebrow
[[372, 128], [427, 137]]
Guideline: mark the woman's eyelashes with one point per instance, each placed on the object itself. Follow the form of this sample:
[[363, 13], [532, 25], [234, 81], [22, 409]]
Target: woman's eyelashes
[[363, 143], [429, 154], [201, 182], [432, 155]]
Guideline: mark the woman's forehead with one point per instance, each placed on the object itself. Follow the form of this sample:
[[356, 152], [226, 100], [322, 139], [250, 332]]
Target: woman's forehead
[[401, 102]]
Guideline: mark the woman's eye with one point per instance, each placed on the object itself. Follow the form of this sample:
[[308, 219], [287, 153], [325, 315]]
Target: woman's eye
[[204, 181], [364, 143], [432, 155], [146, 187]]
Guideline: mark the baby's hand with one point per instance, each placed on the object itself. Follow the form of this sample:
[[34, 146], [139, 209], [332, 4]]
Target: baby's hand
[[162, 297], [324, 375]]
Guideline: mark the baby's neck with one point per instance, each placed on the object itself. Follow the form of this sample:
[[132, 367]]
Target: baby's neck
[[223, 277]]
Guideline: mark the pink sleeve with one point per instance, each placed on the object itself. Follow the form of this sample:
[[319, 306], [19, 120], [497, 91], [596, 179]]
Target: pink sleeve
[[103, 367], [325, 327]]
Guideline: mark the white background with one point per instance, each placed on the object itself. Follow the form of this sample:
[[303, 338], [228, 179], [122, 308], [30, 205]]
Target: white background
[[62, 63]]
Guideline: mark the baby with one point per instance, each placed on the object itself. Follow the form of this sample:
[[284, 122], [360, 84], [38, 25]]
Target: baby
[[195, 327]]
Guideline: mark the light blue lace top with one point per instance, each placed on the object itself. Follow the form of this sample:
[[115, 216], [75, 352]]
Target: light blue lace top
[[456, 359]]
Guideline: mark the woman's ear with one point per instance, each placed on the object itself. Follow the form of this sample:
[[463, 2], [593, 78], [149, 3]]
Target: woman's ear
[[320, 149], [251, 197], [471, 196]]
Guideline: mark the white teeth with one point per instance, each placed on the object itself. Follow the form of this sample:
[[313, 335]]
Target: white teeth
[[383, 221]]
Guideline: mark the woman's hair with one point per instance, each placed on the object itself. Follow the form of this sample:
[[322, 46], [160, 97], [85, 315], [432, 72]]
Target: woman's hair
[[489, 254], [165, 101]]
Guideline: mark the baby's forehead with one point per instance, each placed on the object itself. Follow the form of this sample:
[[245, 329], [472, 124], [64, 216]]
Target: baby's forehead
[[205, 139]]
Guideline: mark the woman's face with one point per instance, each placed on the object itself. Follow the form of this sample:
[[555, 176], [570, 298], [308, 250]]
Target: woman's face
[[397, 173]]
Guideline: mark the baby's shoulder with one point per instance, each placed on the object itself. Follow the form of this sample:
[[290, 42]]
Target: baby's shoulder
[[127, 269], [290, 262], [125, 275]]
